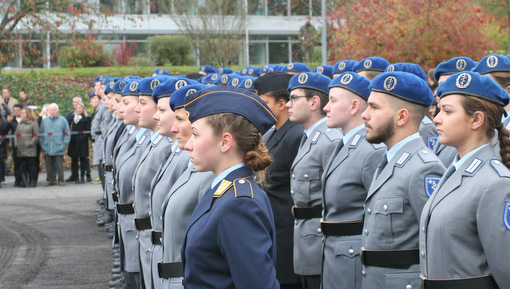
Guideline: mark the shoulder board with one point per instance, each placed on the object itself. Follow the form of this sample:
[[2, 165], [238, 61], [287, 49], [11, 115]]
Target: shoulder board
[[427, 155], [432, 141], [403, 159], [178, 151], [500, 168], [355, 141], [222, 188], [142, 139], [333, 134], [156, 141], [132, 130], [316, 137], [473, 166], [243, 188]]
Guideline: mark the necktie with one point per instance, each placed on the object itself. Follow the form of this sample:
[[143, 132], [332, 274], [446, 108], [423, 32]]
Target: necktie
[[383, 163], [447, 175], [338, 149], [303, 140]]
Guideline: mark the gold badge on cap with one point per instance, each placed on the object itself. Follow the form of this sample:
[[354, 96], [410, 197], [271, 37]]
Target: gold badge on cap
[[180, 83], [224, 79], [214, 77], [161, 71], [320, 69], [112, 84], [463, 80], [341, 66], [235, 81], [492, 61], [390, 83], [346, 78], [290, 66], [121, 85], [154, 83], [220, 71], [244, 71], [190, 91], [367, 63], [390, 68], [133, 86], [250, 72], [265, 68], [461, 64], [248, 83], [302, 78]]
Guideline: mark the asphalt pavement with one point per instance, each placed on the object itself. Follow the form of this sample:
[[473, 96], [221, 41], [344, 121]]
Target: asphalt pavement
[[49, 237]]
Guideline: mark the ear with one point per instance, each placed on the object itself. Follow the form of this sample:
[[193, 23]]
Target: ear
[[355, 106], [477, 120], [315, 103], [402, 116], [227, 142], [508, 89], [281, 105]]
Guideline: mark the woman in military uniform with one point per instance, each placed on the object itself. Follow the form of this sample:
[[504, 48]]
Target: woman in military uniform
[[465, 225], [230, 237]]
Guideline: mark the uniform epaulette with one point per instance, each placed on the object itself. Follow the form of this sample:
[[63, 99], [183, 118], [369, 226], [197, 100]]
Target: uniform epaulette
[[243, 188], [500, 168], [427, 155], [355, 140], [178, 151], [222, 188], [333, 133]]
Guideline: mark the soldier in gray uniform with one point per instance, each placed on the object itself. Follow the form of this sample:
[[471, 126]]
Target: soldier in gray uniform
[[466, 223], [96, 132], [346, 180], [308, 96], [144, 173], [404, 180], [172, 166], [183, 197]]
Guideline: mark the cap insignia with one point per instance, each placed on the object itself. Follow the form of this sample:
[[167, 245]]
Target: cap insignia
[[303, 78], [463, 80], [390, 83], [492, 61], [346, 78], [461, 64]]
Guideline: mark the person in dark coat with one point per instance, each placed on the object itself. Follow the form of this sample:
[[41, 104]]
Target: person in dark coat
[[79, 145], [4, 142]]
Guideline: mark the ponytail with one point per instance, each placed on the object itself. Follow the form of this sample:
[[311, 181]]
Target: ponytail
[[504, 145]]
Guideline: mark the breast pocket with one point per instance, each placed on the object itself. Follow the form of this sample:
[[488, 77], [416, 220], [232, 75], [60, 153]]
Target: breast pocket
[[309, 186], [390, 221]]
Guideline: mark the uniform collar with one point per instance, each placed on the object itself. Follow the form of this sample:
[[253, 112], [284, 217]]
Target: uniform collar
[[351, 133], [140, 132], [315, 125], [393, 151], [458, 163], [225, 173]]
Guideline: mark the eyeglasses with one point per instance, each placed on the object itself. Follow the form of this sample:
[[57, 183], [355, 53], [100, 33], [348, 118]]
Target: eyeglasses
[[293, 98]]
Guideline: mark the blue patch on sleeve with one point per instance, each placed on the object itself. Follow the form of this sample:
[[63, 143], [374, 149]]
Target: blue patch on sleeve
[[431, 183], [432, 141], [506, 215]]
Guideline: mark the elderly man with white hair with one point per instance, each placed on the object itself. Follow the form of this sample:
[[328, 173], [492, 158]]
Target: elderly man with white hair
[[54, 138]]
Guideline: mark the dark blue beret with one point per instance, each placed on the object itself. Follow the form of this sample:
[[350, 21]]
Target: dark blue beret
[[147, 85], [207, 68], [105, 80], [344, 66], [167, 88], [109, 86], [224, 79], [403, 85], [271, 81], [121, 83], [324, 70], [408, 67], [353, 82], [131, 87], [247, 83], [235, 80], [453, 65], [266, 67], [310, 80], [99, 78], [161, 71], [92, 94], [371, 64], [224, 70], [219, 99], [246, 70], [277, 67], [297, 67], [210, 78], [178, 98], [493, 63], [474, 84]]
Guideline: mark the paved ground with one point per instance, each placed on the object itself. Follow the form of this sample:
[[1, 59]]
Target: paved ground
[[49, 237]]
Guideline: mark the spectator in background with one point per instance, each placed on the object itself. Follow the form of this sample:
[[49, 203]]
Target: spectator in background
[[4, 108], [54, 145], [74, 161], [70, 115], [24, 100], [79, 145], [42, 115], [10, 101], [14, 120], [307, 38], [27, 137], [4, 142]]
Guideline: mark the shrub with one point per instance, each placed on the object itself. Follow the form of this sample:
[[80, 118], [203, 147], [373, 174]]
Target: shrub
[[170, 50], [124, 52], [140, 61], [84, 53]]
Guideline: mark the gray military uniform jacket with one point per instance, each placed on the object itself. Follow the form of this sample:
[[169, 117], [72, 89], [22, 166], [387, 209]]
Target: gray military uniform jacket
[[306, 191], [177, 209], [393, 208], [428, 132], [109, 147], [346, 181], [463, 233], [97, 134]]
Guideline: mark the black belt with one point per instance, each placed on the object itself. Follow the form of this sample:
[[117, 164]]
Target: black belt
[[108, 168], [341, 228], [393, 258], [125, 208], [115, 196], [143, 223], [98, 132], [307, 212], [485, 282], [156, 237], [170, 270]]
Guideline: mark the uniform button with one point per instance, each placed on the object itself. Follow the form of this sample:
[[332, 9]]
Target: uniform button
[[111, 156], [319, 230], [242, 181], [409, 287], [293, 176], [292, 192], [150, 251], [295, 222], [385, 207], [422, 253], [423, 229], [161, 240], [363, 273], [111, 182], [328, 129], [161, 218], [424, 151], [306, 176], [351, 251], [149, 213], [322, 239], [366, 232], [149, 195], [369, 211], [497, 162]]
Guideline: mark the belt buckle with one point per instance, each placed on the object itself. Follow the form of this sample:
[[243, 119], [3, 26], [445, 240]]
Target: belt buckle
[[422, 281], [362, 255], [152, 236]]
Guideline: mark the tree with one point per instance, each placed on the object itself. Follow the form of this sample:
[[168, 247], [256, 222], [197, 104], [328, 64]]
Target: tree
[[500, 8], [216, 27], [421, 31]]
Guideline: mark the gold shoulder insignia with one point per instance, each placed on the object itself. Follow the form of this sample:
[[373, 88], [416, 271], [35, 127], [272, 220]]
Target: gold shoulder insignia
[[224, 186]]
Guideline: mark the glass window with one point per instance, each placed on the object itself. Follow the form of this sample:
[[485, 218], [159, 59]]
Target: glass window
[[279, 52], [299, 7], [256, 7], [134, 7], [257, 53], [277, 7]]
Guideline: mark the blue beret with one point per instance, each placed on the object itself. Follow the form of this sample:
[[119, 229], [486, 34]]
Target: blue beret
[[372, 64], [266, 67], [207, 68], [325, 70], [131, 87], [245, 70], [109, 86], [92, 94], [474, 84], [235, 80], [453, 65], [277, 67], [119, 85], [224, 79], [310, 80], [167, 88], [344, 66], [219, 99], [298, 67], [403, 85], [210, 78], [148, 84], [247, 83], [99, 78], [178, 98], [408, 67], [105, 80], [353, 82], [161, 71], [224, 70], [493, 63]]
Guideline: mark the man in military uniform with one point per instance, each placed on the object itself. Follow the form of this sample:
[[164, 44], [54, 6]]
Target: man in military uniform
[[307, 38], [308, 96], [406, 177]]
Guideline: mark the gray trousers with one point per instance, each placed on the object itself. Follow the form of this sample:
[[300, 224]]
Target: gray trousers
[[59, 162]]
